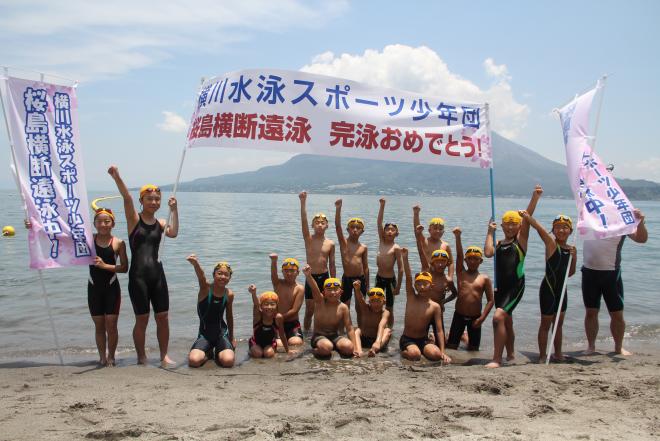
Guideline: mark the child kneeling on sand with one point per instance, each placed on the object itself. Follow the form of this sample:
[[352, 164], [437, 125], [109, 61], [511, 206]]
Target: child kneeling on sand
[[421, 312], [267, 323], [216, 337], [373, 333], [329, 315]]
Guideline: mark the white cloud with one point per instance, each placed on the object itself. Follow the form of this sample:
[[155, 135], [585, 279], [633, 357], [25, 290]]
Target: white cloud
[[422, 70], [173, 123], [91, 39], [649, 169]]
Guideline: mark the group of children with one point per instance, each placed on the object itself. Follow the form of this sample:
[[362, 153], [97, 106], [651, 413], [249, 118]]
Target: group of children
[[328, 298]]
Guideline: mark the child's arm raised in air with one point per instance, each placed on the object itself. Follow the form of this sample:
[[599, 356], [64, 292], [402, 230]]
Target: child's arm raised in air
[[316, 294], [379, 220], [549, 241], [459, 255], [172, 229], [489, 247], [132, 217], [359, 297], [274, 278], [523, 234], [256, 307], [416, 222], [279, 321], [410, 291], [201, 277], [303, 217], [338, 229], [421, 247]]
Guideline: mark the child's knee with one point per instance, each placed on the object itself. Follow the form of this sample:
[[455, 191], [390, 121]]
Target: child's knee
[[226, 358], [256, 352], [295, 341], [412, 353], [345, 347], [269, 352], [195, 360]]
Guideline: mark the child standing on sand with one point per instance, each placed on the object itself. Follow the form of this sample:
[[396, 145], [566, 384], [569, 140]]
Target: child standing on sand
[[557, 254], [267, 325], [330, 314], [421, 312], [389, 253], [471, 287], [353, 255], [290, 294], [509, 275], [374, 333], [320, 253], [434, 241], [214, 300]]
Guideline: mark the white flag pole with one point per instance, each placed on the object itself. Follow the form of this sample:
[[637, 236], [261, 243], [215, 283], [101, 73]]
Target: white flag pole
[[18, 186], [176, 183], [601, 86]]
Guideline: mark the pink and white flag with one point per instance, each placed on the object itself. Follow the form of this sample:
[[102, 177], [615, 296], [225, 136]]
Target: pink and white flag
[[299, 112], [43, 129], [603, 209]]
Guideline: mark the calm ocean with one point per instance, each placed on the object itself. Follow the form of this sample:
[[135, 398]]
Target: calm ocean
[[245, 228]]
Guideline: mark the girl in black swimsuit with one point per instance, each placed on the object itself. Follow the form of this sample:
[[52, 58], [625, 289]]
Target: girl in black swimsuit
[[146, 279], [268, 325]]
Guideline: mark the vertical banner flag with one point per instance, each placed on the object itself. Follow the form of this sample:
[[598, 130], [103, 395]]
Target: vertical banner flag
[[603, 209], [43, 128], [306, 113]]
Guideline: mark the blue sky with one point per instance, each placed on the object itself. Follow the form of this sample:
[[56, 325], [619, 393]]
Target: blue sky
[[139, 65]]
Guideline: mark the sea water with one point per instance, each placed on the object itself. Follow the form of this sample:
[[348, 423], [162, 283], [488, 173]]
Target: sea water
[[245, 228]]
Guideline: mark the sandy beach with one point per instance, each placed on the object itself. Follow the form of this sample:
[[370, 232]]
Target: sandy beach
[[597, 397]]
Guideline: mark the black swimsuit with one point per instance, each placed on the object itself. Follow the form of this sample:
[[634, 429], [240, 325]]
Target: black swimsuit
[[555, 273], [510, 275], [213, 330], [264, 335], [146, 279], [103, 290]]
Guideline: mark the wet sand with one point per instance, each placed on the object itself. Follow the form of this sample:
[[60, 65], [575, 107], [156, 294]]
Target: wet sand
[[597, 397]]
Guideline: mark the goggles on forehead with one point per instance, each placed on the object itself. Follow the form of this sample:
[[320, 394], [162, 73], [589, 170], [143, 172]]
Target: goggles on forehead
[[474, 251], [332, 283], [391, 224], [424, 275], [357, 221], [268, 296], [290, 262], [319, 216], [221, 265], [107, 211], [439, 254], [563, 219], [376, 293], [438, 221], [149, 188]]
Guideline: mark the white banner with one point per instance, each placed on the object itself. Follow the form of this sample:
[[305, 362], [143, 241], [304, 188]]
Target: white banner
[[603, 208], [43, 129], [305, 113]]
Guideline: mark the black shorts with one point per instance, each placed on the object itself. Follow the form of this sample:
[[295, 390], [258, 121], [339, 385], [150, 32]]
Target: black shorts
[[347, 287], [508, 297], [320, 279], [549, 300], [212, 348], [104, 300], [458, 325], [333, 338], [367, 342], [143, 291], [607, 284], [406, 341], [387, 284], [293, 329]]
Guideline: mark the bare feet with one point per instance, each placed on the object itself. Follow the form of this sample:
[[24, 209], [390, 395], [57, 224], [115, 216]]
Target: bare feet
[[166, 361], [492, 365], [558, 358], [624, 352], [510, 357], [103, 362], [111, 362], [591, 350], [542, 358], [464, 339], [143, 361]]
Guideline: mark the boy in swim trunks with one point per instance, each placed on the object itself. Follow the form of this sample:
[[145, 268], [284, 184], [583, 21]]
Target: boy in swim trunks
[[353, 255], [291, 295], [389, 253], [267, 325], [374, 333], [320, 253], [421, 312], [214, 302], [471, 287], [509, 275], [329, 315], [434, 240]]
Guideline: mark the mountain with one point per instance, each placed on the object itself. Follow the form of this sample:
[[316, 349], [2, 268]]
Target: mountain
[[517, 170]]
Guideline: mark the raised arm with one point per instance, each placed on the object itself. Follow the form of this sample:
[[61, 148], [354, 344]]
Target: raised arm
[[274, 278], [416, 222], [201, 277], [410, 291], [379, 220], [172, 224], [641, 234], [303, 217], [359, 297], [548, 240], [316, 294], [489, 246], [459, 254], [523, 234], [132, 217], [256, 307], [421, 247], [338, 227]]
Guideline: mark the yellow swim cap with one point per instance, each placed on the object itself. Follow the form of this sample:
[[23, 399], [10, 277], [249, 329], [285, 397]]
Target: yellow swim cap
[[511, 216], [320, 216], [290, 261], [8, 231], [437, 221], [376, 293], [424, 275], [356, 220], [563, 219], [148, 189], [332, 282], [224, 265], [474, 251], [439, 255], [268, 295]]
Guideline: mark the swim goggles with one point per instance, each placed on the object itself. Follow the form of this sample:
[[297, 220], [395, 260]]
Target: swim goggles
[[437, 221], [376, 293], [332, 283], [224, 265], [149, 188], [356, 220], [268, 296], [102, 210], [424, 275], [474, 251], [563, 219], [290, 261], [391, 224], [439, 255], [320, 216]]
